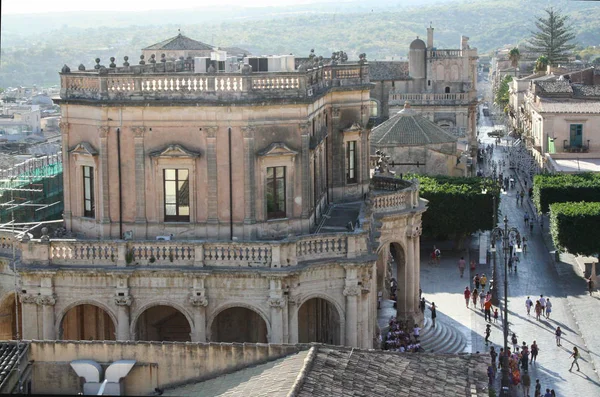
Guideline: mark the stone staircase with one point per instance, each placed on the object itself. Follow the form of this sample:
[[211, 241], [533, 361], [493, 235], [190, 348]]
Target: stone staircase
[[442, 339]]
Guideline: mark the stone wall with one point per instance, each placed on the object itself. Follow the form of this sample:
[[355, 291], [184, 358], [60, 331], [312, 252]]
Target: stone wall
[[158, 364]]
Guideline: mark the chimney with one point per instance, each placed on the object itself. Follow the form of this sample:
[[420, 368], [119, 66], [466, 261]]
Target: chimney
[[429, 37]]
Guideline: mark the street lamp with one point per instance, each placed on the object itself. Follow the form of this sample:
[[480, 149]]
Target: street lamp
[[505, 233], [494, 280]]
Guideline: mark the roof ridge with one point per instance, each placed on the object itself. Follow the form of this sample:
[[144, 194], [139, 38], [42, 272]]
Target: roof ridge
[[308, 363]]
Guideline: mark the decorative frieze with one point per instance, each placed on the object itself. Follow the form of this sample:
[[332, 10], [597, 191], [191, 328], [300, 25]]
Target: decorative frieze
[[47, 300], [29, 298], [352, 290]]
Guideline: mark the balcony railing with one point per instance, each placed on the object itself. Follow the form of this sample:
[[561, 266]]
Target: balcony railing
[[583, 148], [187, 253], [137, 83], [388, 194], [456, 98]]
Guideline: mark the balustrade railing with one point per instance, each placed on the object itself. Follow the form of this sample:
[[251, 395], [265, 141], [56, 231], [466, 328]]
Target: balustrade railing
[[397, 97], [175, 253], [392, 194]]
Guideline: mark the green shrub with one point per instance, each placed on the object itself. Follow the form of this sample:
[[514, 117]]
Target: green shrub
[[562, 188], [572, 226]]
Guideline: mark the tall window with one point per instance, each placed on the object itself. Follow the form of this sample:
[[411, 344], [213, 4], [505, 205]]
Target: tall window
[[373, 109], [275, 192], [88, 192], [576, 135], [177, 195], [351, 162]]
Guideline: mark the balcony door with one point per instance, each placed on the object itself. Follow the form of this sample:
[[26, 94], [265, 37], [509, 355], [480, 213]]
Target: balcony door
[[576, 135]]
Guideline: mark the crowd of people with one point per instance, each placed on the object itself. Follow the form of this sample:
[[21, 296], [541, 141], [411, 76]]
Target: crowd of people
[[402, 339]]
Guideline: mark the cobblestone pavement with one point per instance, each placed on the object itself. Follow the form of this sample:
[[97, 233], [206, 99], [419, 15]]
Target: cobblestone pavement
[[573, 309]]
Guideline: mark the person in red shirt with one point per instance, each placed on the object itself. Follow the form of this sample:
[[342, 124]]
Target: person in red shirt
[[488, 310], [467, 294]]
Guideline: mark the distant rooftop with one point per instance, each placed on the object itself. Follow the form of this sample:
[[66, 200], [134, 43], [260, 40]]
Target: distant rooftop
[[180, 42]]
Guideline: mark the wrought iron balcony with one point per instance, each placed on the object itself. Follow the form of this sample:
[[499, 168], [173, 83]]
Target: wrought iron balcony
[[583, 148]]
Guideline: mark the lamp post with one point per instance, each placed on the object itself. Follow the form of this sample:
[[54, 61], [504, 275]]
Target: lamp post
[[494, 280], [505, 234]]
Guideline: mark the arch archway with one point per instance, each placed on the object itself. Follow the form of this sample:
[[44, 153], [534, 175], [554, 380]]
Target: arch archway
[[86, 321], [163, 323], [391, 265], [238, 324], [10, 311], [319, 321]]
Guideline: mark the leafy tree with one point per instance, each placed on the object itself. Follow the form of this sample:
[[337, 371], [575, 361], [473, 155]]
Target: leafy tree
[[561, 188], [553, 37], [514, 56], [457, 205], [541, 64], [502, 94], [567, 223]]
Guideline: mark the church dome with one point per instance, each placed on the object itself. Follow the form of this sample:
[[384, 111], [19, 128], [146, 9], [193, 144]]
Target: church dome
[[408, 128], [417, 44]]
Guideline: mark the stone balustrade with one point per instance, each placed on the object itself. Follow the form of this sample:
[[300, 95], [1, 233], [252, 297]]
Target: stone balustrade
[[390, 194], [141, 82], [444, 53], [255, 254], [399, 98]]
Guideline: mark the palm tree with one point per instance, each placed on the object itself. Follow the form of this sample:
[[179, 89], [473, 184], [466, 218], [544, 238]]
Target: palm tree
[[514, 56], [541, 64]]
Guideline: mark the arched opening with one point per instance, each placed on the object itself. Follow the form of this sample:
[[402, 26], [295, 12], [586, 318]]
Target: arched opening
[[87, 322], [163, 323], [238, 324], [318, 321], [397, 262], [8, 318], [391, 265]]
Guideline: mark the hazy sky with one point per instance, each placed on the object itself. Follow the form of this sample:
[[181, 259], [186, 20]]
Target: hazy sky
[[39, 6]]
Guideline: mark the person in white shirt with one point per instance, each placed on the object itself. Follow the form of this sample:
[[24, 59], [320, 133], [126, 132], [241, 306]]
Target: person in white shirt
[[543, 303], [416, 331], [528, 304], [548, 308]]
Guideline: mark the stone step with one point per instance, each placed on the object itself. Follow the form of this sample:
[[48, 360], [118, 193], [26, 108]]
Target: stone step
[[441, 339]]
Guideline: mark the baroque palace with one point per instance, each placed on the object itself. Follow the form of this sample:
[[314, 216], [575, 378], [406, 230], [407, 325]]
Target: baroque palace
[[217, 197]]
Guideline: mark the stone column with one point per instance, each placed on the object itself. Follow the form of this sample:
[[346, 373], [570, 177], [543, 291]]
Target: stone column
[[249, 177], [410, 276], [123, 303], [417, 251], [104, 213], [199, 301], [64, 130], [351, 294], [276, 302], [305, 172], [212, 188], [365, 314], [47, 302], [140, 177], [293, 306]]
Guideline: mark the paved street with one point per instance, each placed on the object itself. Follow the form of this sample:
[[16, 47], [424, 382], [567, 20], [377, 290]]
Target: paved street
[[573, 310]]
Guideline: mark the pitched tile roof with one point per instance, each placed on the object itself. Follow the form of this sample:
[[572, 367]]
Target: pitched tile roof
[[332, 371], [388, 70], [582, 90], [408, 128], [555, 87], [546, 105], [9, 358], [341, 371], [179, 42]]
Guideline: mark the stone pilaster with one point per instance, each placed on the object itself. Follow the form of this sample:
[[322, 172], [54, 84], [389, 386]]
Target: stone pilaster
[[47, 302], [365, 312], [351, 292], [410, 276], [276, 302], [140, 175], [211, 168], [29, 314], [123, 303], [305, 173], [199, 301], [249, 177], [67, 214], [103, 174], [293, 307]]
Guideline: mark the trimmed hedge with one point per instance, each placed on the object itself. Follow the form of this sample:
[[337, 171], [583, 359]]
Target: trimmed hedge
[[457, 206], [562, 188], [572, 226]]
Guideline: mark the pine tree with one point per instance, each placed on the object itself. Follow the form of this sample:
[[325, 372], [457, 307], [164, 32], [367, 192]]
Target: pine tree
[[553, 37]]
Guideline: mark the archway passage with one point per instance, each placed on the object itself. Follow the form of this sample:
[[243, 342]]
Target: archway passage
[[397, 259], [8, 319], [318, 321], [87, 322], [163, 323], [239, 324]]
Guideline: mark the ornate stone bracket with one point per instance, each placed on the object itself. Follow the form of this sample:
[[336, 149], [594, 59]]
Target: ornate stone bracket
[[351, 290], [47, 300], [198, 300], [138, 131], [414, 231], [126, 300], [29, 298], [103, 130], [276, 302], [211, 132], [336, 111]]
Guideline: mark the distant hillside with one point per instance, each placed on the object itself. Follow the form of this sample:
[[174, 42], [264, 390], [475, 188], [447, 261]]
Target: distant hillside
[[384, 33]]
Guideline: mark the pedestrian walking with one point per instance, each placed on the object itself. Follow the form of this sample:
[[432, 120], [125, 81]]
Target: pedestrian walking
[[526, 384], [534, 352], [531, 228], [475, 295], [422, 305], [528, 304], [491, 374], [515, 260], [482, 299], [438, 254], [522, 194], [524, 242], [548, 308], [495, 316], [483, 281], [416, 331], [575, 356], [538, 310], [433, 313], [526, 218], [493, 356], [488, 310], [590, 285], [467, 295], [514, 341], [488, 331], [558, 334], [543, 303], [548, 394], [538, 388], [476, 281], [500, 357], [461, 266]]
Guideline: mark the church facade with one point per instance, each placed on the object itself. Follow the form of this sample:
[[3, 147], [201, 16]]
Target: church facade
[[218, 206]]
